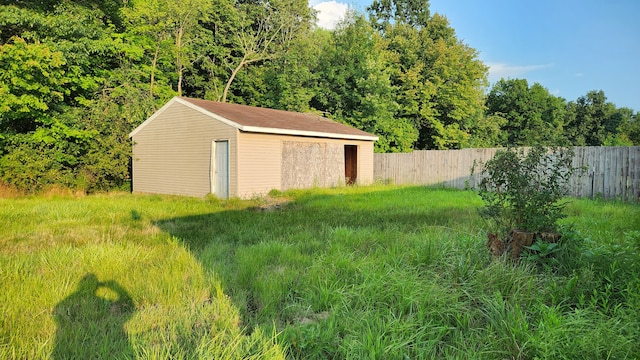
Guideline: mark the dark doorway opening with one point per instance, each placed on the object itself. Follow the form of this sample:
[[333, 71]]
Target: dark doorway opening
[[351, 164]]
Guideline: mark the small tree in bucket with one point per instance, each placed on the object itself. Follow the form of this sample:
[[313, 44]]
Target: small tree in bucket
[[523, 191]]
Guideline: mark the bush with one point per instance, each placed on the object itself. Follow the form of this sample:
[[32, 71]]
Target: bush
[[523, 188], [29, 166]]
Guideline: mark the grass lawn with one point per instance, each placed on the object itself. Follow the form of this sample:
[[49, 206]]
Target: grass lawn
[[377, 272]]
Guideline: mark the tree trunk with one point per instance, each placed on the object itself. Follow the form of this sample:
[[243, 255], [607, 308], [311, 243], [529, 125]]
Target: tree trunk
[[517, 241], [233, 75], [179, 66], [154, 64]]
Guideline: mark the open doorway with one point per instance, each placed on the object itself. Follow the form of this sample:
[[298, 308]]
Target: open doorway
[[351, 164]]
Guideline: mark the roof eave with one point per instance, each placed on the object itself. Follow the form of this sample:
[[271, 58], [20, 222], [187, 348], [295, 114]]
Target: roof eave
[[265, 130]]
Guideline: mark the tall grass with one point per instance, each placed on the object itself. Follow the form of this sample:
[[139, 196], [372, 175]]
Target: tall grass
[[92, 277], [357, 272]]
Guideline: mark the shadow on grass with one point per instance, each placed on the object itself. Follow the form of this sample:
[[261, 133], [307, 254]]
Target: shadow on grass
[[342, 268], [400, 209], [309, 223], [90, 322]]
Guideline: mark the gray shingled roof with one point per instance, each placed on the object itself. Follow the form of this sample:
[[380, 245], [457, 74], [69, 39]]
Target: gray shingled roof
[[256, 119]]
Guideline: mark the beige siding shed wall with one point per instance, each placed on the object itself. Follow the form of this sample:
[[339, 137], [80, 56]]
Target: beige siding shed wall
[[258, 164], [172, 154], [260, 161], [365, 162]]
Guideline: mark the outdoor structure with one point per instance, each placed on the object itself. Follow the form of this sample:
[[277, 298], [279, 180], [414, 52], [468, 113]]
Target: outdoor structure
[[199, 147]]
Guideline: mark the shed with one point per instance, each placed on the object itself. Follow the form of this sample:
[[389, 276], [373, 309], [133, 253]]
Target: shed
[[198, 147]]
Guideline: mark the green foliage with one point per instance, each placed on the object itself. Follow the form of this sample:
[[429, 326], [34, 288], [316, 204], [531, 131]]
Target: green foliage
[[31, 165], [48, 156], [360, 92], [542, 252], [523, 188], [292, 81], [532, 115], [33, 85], [439, 80], [624, 128], [591, 119], [384, 13], [55, 62]]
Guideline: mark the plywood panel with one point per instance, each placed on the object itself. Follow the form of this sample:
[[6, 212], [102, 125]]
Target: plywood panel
[[312, 164]]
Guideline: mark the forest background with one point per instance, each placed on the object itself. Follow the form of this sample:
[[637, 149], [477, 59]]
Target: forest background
[[76, 76]]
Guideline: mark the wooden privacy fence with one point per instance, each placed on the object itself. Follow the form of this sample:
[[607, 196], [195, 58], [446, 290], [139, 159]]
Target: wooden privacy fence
[[612, 172]]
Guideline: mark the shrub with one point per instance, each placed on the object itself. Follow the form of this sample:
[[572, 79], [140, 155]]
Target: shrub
[[30, 165], [523, 188]]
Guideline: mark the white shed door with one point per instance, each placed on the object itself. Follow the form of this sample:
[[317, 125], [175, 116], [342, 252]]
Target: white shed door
[[220, 169]]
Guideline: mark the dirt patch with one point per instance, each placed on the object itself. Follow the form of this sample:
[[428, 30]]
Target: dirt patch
[[271, 204], [311, 319]]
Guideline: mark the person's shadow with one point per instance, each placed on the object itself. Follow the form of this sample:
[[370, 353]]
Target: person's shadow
[[90, 322]]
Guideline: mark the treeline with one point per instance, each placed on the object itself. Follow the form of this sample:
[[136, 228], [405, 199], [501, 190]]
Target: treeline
[[76, 76], [530, 115]]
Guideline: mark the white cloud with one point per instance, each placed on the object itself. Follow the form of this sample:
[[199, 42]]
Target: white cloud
[[330, 13], [499, 70]]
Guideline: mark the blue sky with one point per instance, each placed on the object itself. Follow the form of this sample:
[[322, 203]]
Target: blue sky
[[568, 46]]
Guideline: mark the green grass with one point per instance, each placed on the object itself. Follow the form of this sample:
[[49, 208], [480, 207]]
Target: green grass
[[377, 272]]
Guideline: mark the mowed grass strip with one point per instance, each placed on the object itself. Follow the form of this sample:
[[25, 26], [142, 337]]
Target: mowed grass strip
[[380, 272]]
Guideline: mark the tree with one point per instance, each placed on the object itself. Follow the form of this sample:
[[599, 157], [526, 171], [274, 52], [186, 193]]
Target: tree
[[632, 129], [33, 85], [267, 28], [533, 115], [384, 13], [623, 128], [291, 81], [120, 107], [77, 75], [459, 79], [148, 29], [355, 86], [167, 29], [54, 63], [440, 80], [213, 46], [487, 132], [590, 119], [109, 8], [82, 34]]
